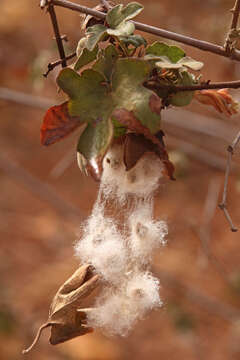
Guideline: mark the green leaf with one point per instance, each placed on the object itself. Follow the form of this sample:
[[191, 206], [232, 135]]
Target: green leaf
[[95, 34], [119, 129], [88, 94], [183, 98], [130, 94], [119, 14], [174, 53], [95, 140], [135, 40], [106, 61], [86, 57], [124, 29]]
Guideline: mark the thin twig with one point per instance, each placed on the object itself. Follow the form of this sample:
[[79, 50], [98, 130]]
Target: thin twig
[[223, 205], [58, 37], [26, 99], [204, 230], [52, 65], [202, 45], [230, 40], [153, 85], [106, 4]]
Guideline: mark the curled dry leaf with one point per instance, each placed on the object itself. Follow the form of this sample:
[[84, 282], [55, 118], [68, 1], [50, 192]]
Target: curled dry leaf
[[150, 142], [221, 100], [135, 146], [57, 124], [67, 321]]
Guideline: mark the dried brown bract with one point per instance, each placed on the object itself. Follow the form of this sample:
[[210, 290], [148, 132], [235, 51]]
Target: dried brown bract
[[66, 318]]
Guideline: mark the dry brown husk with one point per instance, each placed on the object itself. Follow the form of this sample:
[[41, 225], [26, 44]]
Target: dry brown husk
[[66, 318]]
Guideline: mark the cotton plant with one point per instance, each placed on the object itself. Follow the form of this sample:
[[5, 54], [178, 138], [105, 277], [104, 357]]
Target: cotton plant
[[115, 93]]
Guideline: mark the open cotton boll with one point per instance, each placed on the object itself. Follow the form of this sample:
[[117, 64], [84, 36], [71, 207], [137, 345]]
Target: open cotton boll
[[142, 180]]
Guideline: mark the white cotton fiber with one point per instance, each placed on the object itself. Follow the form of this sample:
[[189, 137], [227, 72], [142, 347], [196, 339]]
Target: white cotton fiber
[[102, 246], [118, 251], [142, 180], [146, 234], [143, 290], [117, 311]]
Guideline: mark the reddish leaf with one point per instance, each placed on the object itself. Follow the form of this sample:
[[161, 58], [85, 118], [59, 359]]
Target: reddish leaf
[[57, 124], [128, 119], [155, 104]]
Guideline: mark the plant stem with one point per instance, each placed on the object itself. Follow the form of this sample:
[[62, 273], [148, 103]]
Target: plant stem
[[58, 37], [202, 45], [223, 205], [229, 41], [202, 86]]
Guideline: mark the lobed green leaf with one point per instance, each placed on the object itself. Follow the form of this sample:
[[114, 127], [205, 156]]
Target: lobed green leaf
[[119, 14], [157, 49], [85, 58]]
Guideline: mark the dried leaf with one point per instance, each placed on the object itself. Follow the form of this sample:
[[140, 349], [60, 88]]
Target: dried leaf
[[221, 100], [128, 119], [135, 146], [64, 318], [57, 124]]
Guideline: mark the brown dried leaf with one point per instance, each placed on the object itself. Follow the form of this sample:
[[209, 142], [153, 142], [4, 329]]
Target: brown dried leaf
[[221, 100], [135, 146], [128, 119], [64, 318]]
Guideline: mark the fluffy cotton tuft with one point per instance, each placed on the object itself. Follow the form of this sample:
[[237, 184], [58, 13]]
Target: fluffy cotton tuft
[[146, 234], [142, 180], [121, 252], [117, 311]]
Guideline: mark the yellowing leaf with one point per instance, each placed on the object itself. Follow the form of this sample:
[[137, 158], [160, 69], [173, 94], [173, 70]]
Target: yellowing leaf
[[221, 100]]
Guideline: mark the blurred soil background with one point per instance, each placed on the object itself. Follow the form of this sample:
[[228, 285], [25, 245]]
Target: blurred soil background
[[45, 198]]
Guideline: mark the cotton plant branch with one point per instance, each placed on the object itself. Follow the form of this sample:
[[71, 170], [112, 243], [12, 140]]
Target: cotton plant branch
[[59, 39], [200, 44], [106, 4], [223, 51], [223, 206], [206, 85], [206, 126], [54, 64], [233, 34]]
